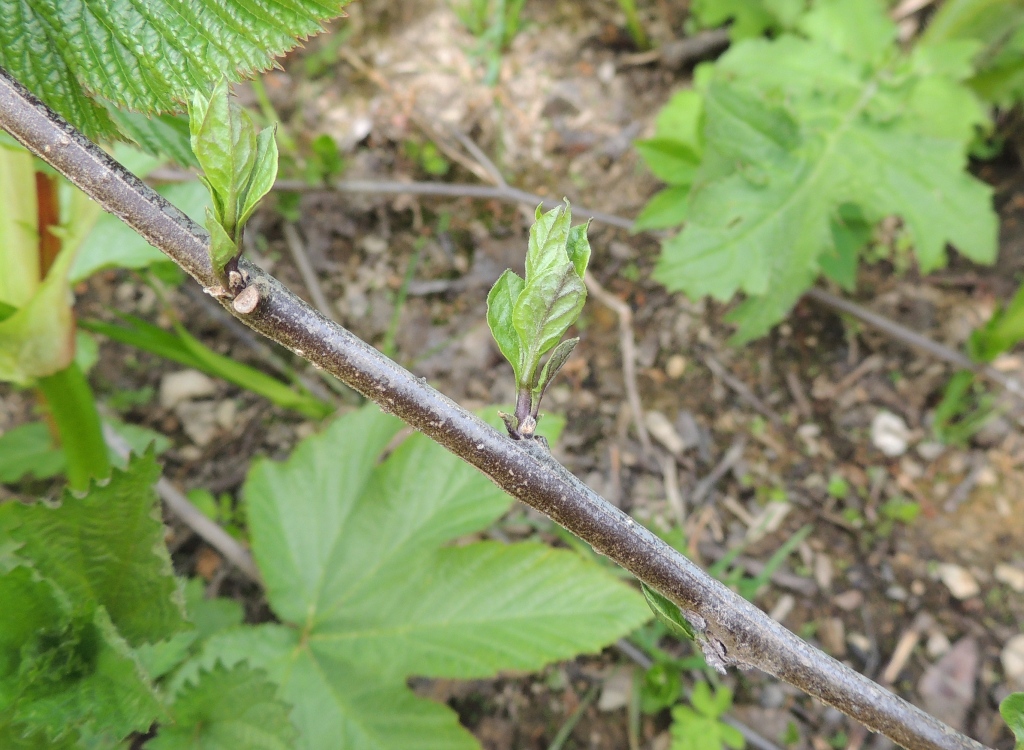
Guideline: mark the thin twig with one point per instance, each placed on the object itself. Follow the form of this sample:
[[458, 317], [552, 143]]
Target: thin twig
[[730, 459], [914, 339], [730, 630], [450, 190], [191, 516], [478, 153], [742, 390], [628, 346], [312, 282]]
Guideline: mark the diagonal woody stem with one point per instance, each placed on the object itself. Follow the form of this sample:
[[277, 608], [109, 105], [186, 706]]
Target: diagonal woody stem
[[732, 630]]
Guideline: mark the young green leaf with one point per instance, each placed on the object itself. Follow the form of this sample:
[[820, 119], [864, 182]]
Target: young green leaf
[[106, 549], [670, 160], [1012, 710], [702, 729], [222, 247], [357, 562], [550, 303], [666, 208], [548, 236], [264, 172], [559, 356], [577, 246], [501, 302], [227, 709], [668, 613]]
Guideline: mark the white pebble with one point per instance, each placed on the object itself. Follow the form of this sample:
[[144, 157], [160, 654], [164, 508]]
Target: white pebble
[[890, 434]]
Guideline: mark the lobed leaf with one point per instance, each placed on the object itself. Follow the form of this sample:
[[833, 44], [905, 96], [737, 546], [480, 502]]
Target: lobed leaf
[[847, 133], [352, 553]]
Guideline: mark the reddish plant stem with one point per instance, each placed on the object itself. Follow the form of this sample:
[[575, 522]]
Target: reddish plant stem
[[732, 630]]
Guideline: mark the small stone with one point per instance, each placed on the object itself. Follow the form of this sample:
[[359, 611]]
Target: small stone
[[662, 430], [198, 420], [616, 690], [1011, 576], [1012, 659], [184, 385], [890, 434], [833, 636], [373, 245], [937, 644], [930, 450], [225, 414], [959, 581], [896, 593], [823, 571], [848, 600], [676, 366], [782, 608], [768, 520]]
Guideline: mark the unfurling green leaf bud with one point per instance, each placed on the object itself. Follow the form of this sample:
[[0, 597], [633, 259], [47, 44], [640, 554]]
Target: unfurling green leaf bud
[[528, 316]]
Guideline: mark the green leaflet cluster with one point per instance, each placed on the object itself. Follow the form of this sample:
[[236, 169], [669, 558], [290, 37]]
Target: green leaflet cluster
[[802, 144], [239, 167], [87, 57], [527, 317]]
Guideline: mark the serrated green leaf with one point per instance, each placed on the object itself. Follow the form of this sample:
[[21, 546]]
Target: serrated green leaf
[[65, 672], [548, 305], [227, 709], [559, 356], [1012, 711], [29, 451], [548, 236], [859, 30], [578, 248], [749, 17], [666, 208], [501, 301], [158, 135], [772, 177], [668, 613], [264, 172], [352, 554], [147, 57], [107, 548], [670, 160]]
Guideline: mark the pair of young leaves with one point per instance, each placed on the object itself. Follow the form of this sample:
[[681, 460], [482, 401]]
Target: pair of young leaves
[[528, 316], [239, 167]]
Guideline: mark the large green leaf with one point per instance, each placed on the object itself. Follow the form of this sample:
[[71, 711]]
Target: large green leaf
[[106, 548], [29, 450], [796, 128], [145, 56], [353, 557]]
